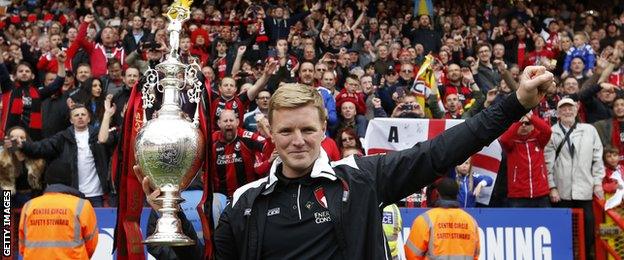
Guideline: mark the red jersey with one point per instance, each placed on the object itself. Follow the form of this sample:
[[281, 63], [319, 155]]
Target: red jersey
[[233, 162], [238, 103], [220, 65], [98, 53], [617, 78], [534, 57]]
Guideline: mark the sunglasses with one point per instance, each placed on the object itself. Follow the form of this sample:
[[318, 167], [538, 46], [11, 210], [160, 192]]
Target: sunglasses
[[526, 123], [348, 139]]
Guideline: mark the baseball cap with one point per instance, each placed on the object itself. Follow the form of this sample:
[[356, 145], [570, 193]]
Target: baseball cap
[[566, 101]]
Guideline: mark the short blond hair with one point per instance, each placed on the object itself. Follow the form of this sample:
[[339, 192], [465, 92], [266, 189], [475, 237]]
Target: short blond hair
[[295, 95]]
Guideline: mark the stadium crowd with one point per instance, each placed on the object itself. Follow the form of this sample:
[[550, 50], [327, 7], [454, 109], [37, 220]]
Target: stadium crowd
[[67, 69]]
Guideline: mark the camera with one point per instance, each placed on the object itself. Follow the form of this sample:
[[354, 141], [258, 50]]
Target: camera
[[407, 107], [13, 147]]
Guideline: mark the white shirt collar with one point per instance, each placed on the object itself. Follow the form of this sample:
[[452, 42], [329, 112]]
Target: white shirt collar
[[321, 168]]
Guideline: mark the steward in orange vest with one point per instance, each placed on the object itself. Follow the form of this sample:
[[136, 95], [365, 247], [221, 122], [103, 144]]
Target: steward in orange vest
[[446, 232], [60, 224]]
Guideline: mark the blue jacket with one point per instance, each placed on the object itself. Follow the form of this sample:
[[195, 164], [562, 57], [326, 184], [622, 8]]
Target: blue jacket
[[465, 197], [330, 105], [585, 52]]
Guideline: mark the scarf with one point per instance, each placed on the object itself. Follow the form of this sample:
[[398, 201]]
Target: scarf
[[204, 208], [128, 231], [13, 109], [262, 35]]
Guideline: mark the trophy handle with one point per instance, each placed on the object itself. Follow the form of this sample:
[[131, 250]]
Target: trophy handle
[[195, 91]]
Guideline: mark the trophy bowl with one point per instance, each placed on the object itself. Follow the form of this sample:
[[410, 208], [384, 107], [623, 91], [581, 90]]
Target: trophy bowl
[[169, 151]]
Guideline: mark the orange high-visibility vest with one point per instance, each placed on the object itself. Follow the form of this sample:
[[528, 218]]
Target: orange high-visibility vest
[[57, 226], [443, 233]]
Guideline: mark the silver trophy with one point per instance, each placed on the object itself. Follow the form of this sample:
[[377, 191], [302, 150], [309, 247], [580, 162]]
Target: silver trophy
[[170, 147]]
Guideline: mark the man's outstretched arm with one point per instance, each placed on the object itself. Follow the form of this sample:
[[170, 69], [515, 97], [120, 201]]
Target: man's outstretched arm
[[401, 173]]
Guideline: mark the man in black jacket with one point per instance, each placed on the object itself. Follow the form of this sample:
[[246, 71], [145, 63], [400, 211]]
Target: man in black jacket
[[54, 109], [135, 36], [426, 35], [278, 28], [310, 209], [78, 147]]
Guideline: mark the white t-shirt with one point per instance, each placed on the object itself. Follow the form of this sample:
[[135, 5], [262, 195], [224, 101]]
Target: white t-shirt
[[88, 180]]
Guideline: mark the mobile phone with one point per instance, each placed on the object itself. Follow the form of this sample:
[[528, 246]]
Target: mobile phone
[[13, 147]]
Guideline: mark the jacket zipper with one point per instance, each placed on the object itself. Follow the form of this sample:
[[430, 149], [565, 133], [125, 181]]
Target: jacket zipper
[[298, 195], [530, 171], [515, 171]]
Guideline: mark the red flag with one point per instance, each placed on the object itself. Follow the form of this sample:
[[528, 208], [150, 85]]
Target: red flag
[[128, 232]]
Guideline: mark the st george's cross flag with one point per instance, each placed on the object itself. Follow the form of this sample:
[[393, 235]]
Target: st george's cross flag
[[394, 134]]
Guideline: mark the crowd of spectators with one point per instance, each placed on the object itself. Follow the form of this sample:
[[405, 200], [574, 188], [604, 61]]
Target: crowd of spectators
[[66, 66]]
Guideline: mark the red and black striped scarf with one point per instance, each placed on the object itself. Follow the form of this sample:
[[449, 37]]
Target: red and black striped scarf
[[14, 108]]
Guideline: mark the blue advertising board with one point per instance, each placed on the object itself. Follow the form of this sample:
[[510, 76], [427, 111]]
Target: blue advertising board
[[516, 233], [504, 233]]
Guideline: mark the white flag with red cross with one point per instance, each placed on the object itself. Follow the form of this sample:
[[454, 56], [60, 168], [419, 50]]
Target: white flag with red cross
[[394, 134]]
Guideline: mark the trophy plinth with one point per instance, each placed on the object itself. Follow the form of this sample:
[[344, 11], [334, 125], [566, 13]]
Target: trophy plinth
[[168, 228]]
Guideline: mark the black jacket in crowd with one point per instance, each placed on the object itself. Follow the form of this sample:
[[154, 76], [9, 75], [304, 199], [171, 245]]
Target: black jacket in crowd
[[55, 114], [430, 39], [280, 28], [595, 110], [62, 146], [358, 188]]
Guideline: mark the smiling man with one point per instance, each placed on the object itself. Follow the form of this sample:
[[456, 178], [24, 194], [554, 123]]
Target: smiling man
[[309, 208], [574, 162]]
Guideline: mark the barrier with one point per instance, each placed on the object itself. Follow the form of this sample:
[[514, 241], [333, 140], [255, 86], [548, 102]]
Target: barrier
[[609, 236], [578, 234], [505, 233]]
